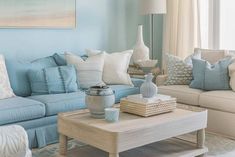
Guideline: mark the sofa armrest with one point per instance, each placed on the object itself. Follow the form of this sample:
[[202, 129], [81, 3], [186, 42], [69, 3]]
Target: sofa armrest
[[160, 80]]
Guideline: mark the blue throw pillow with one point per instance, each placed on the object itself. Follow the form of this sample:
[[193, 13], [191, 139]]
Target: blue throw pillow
[[53, 80], [43, 63], [211, 77], [59, 59], [17, 71]]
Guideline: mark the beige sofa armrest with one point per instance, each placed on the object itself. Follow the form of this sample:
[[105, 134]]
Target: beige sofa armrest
[[160, 80]]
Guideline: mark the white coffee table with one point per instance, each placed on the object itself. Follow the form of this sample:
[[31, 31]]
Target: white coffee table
[[132, 131]]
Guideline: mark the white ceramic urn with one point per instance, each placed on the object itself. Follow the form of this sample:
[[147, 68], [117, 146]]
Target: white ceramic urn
[[98, 98], [141, 51]]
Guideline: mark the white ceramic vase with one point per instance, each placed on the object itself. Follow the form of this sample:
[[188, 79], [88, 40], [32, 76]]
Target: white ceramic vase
[[141, 51], [98, 98]]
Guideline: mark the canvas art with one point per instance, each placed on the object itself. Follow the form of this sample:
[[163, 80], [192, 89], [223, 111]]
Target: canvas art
[[37, 13]]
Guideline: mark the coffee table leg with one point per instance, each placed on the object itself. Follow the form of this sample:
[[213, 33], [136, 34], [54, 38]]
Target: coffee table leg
[[63, 144], [201, 140], [113, 155]]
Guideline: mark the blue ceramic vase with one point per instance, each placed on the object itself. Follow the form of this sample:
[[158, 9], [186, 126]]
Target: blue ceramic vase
[[148, 89]]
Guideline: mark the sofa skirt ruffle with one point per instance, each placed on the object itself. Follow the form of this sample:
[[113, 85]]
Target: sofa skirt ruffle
[[42, 136]]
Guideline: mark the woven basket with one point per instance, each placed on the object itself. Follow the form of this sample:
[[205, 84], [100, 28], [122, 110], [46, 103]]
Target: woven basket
[[147, 110]]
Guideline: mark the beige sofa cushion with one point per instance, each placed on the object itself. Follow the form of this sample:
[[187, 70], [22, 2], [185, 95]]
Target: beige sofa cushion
[[218, 100], [183, 93], [211, 56]]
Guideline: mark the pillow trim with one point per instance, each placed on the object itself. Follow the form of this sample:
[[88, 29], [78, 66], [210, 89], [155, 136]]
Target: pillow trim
[[63, 80], [46, 80]]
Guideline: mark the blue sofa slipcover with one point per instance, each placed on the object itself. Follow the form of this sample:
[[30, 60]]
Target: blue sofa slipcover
[[38, 114], [56, 103], [19, 109]]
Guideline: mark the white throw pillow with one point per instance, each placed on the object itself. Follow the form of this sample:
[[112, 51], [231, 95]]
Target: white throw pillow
[[91, 52], [5, 87], [115, 67], [89, 72]]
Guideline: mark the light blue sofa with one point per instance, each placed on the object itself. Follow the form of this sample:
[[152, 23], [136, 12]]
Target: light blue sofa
[[38, 114]]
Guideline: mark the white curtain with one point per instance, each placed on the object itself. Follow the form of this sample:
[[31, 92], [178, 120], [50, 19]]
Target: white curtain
[[181, 32]]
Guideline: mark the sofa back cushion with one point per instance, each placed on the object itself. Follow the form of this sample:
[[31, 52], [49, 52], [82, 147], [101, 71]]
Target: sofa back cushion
[[17, 71], [43, 63], [53, 80], [212, 56]]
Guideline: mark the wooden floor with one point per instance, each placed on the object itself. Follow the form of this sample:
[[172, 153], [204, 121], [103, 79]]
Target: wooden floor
[[168, 148]]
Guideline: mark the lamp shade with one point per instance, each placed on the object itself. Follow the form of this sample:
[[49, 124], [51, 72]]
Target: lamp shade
[[152, 7]]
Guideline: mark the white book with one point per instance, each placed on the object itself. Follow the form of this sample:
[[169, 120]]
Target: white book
[[138, 98]]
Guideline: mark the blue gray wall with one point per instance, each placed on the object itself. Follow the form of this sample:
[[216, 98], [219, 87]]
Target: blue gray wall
[[109, 25]]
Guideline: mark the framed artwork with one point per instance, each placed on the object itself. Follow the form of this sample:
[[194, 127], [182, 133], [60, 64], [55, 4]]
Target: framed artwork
[[37, 13]]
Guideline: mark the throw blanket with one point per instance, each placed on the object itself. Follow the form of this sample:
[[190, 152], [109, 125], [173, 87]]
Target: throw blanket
[[14, 142]]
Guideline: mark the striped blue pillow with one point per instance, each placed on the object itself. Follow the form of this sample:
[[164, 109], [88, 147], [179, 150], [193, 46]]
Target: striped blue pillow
[[53, 80]]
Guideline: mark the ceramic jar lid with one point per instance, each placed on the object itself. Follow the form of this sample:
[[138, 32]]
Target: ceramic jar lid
[[99, 91]]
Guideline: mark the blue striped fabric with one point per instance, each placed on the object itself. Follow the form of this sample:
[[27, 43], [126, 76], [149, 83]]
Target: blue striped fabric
[[53, 80]]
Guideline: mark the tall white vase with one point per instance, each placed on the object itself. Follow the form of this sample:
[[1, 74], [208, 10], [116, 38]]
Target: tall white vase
[[141, 51]]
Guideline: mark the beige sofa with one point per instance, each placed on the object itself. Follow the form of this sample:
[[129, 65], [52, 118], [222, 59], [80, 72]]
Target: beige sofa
[[220, 104]]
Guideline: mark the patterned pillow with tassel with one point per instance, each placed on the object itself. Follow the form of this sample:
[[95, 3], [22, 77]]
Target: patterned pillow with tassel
[[179, 72]]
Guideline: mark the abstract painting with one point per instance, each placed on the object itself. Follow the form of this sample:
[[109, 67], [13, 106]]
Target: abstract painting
[[37, 13]]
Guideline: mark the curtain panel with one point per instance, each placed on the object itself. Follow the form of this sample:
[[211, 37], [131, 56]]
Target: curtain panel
[[181, 33]]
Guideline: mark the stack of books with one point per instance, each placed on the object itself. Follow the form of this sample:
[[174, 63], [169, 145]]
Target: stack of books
[[146, 107], [136, 72]]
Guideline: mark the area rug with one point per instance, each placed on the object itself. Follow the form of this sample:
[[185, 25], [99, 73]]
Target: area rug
[[218, 147]]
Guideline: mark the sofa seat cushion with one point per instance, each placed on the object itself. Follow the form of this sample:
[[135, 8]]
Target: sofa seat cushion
[[56, 103], [218, 100], [17, 109], [183, 93], [122, 91]]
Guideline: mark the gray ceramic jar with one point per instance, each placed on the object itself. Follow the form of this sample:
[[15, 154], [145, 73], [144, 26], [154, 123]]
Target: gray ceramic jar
[[148, 89], [98, 98]]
